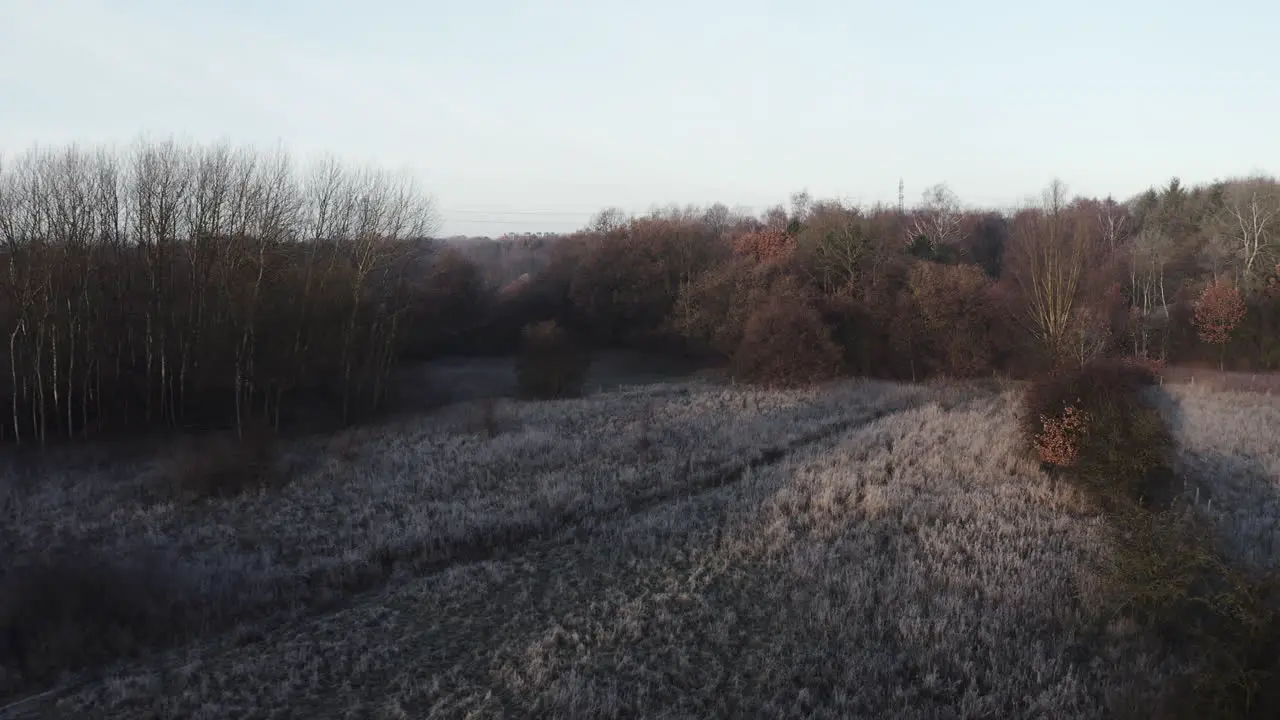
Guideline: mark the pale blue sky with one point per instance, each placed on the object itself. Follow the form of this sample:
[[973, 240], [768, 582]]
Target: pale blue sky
[[565, 107]]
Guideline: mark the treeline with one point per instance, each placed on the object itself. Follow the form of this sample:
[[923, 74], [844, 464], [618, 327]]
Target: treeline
[[823, 287], [173, 286]]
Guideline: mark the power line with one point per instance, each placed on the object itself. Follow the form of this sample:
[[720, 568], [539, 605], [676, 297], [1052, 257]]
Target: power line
[[521, 212], [484, 221], [508, 217], [577, 213]]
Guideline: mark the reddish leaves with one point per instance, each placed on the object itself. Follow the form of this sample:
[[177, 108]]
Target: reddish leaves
[[1218, 311], [765, 246], [785, 343], [1059, 442]]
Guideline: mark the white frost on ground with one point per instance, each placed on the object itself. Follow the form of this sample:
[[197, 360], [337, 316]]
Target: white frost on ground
[[684, 550]]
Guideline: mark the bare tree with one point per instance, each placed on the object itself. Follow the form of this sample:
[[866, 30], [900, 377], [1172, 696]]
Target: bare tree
[[1149, 253], [145, 285], [1114, 222], [939, 217], [1050, 247], [776, 218], [801, 204], [609, 220], [1251, 213], [718, 219], [836, 245]]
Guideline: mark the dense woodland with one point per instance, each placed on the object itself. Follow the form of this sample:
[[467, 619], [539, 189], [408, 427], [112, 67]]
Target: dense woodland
[[172, 286], [1176, 274]]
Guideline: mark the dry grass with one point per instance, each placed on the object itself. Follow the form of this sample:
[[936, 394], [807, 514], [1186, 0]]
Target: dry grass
[[418, 496], [864, 549], [222, 464], [1230, 441]]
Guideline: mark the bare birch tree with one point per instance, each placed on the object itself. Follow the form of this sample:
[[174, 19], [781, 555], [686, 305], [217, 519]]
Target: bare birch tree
[[1249, 223], [938, 218], [1149, 253], [173, 281]]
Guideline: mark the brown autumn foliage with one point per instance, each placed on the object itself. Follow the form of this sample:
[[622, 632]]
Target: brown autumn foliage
[[627, 280], [785, 343], [712, 311], [954, 311], [765, 246], [1058, 443], [1218, 311]]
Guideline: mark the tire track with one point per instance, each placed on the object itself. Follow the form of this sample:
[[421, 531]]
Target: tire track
[[323, 593]]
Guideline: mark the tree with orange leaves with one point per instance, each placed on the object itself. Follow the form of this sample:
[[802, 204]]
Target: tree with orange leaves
[[765, 246], [1218, 311]]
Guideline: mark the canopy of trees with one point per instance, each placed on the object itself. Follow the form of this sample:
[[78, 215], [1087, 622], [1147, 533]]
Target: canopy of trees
[[171, 286]]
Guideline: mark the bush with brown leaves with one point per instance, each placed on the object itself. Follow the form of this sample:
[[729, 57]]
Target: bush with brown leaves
[[785, 343], [224, 464], [1059, 442], [73, 609], [712, 311], [551, 363], [1218, 311], [1095, 421], [765, 246]]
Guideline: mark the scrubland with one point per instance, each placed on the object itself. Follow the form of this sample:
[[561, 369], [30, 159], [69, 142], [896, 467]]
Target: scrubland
[[861, 549]]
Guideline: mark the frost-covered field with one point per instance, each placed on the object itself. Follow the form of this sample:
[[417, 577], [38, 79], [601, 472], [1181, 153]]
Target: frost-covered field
[[429, 491], [685, 550], [1230, 443]]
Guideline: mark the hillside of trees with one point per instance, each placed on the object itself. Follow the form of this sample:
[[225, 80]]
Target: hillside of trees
[[930, 289], [175, 286]]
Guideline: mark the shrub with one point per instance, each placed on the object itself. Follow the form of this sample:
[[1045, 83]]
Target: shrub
[[551, 364], [1059, 442], [69, 610], [785, 343], [1166, 571], [1096, 421], [224, 464], [1153, 366], [954, 308], [484, 419], [1218, 311], [712, 311], [1167, 574]]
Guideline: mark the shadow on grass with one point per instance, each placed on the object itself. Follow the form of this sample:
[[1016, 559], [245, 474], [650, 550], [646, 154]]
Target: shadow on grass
[[865, 574], [865, 577], [1200, 576], [50, 599]]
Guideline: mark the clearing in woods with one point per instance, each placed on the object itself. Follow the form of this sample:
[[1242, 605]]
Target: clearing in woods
[[686, 549]]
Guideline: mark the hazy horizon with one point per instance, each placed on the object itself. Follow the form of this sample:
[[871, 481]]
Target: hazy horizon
[[520, 118]]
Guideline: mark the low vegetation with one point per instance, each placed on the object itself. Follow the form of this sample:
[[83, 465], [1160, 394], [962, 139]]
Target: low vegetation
[[1097, 423], [1093, 543], [863, 549], [1170, 570], [222, 464], [551, 364]]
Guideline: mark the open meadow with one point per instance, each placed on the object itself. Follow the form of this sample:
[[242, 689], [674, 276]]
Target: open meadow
[[684, 549]]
